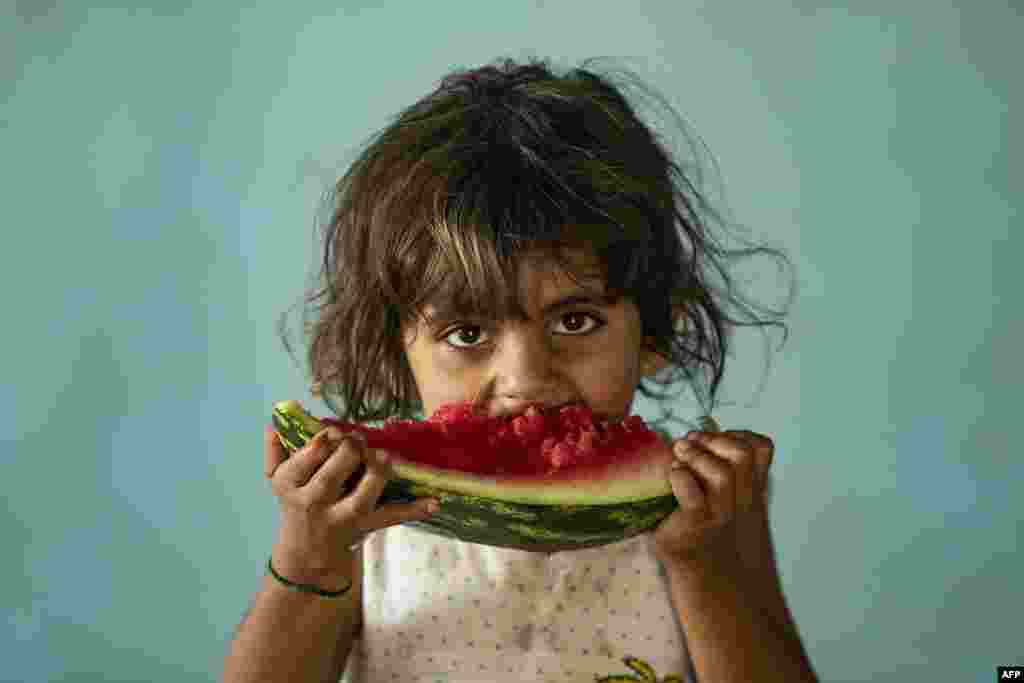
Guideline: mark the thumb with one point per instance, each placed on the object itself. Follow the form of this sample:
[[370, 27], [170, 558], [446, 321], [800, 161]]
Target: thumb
[[688, 492], [399, 513]]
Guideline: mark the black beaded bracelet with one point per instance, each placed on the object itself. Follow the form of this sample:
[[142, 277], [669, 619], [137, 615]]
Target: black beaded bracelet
[[305, 587]]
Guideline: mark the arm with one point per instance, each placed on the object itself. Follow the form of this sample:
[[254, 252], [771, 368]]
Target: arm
[[737, 624], [297, 637]]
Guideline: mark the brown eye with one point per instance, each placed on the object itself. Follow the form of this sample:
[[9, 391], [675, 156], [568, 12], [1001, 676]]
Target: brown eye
[[576, 316], [469, 335]]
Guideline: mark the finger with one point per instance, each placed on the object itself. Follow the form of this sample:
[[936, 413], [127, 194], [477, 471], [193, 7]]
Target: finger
[[716, 477], [735, 450], [764, 454], [363, 501], [299, 468], [398, 513], [327, 485], [371, 485], [273, 452], [687, 490]]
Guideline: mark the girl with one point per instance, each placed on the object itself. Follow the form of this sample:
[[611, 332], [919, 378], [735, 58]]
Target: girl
[[517, 237]]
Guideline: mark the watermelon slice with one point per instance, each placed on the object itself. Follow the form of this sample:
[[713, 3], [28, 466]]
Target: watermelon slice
[[553, 479]]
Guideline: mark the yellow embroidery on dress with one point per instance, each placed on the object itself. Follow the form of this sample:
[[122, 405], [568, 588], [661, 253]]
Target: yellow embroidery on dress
[[644, 674]]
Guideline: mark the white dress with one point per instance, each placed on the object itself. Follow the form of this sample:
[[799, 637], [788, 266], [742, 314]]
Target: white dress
[[439, 610]]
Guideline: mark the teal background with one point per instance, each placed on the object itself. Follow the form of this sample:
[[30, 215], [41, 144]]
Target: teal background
[[162, 167]]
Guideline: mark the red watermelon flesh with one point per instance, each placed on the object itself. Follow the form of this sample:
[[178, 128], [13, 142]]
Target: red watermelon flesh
[[553, 443]]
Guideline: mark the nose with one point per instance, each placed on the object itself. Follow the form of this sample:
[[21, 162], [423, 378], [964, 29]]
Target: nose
[[524, 373]]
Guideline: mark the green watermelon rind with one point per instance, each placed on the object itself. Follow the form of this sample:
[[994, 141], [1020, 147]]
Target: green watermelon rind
[[502, 523]]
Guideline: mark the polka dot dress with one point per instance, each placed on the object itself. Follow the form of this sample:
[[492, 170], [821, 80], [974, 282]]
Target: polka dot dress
[[438, 610]]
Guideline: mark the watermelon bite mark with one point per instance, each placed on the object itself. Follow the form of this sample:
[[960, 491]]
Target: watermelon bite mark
[[534, 443]]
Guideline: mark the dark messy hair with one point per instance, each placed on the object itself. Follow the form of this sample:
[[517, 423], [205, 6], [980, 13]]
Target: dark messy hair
[[499, 163]]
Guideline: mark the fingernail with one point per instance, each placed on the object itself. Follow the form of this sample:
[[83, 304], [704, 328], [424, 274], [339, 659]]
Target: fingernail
[[676, 465], [694, 436], [433, 506]]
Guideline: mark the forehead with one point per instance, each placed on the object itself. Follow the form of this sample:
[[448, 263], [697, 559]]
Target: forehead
[[546, 275], [540, 282]]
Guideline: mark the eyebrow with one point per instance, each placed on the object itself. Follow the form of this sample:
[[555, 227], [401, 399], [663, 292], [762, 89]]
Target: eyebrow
[[439, 317], [572, 300]]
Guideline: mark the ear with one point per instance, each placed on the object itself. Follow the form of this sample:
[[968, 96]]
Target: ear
[[652, 363], [679, 319], [679, 326]]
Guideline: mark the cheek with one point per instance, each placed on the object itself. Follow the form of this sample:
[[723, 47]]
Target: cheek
[[445, 378], [607, 378]]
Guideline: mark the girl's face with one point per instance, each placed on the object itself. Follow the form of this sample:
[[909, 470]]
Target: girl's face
[[566, 352]]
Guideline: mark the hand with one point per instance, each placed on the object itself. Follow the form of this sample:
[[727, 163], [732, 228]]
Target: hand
[[721, 492], [319, 521]]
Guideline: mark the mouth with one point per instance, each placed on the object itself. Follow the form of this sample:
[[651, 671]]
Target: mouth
[[596, 417], [555, 409], [547, 411], [552, 411]]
